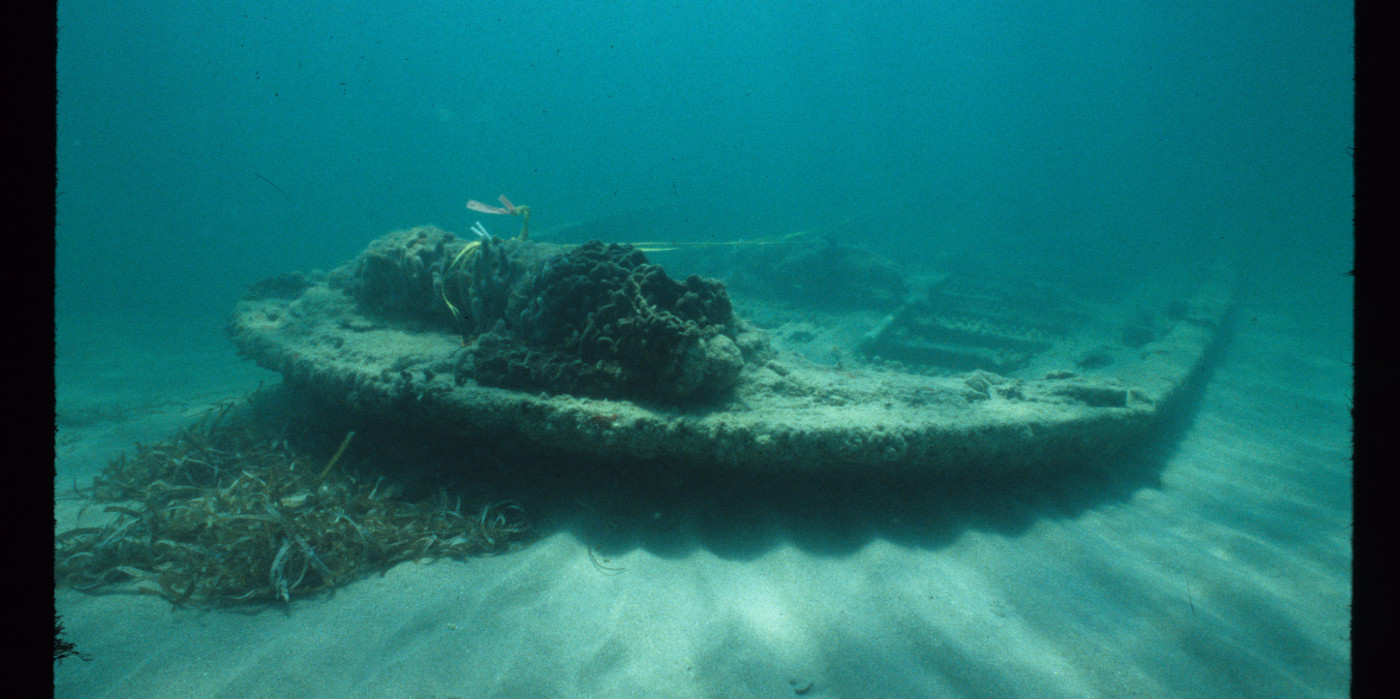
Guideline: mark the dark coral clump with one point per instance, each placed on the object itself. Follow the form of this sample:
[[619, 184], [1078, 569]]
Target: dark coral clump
[[600, 320], [597, 319], [400, 275]]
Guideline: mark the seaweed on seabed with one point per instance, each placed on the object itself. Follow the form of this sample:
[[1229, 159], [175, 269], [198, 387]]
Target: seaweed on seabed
[[229, 511]]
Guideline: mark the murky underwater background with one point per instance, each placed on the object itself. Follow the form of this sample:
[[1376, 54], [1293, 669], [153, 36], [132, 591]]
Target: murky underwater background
[[204, 146]]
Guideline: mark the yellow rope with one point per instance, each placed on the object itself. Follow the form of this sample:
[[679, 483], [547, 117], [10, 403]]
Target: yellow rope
[[469, 247], [331, 464]]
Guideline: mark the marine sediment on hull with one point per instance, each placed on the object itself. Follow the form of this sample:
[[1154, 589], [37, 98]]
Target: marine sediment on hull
[[542, 356]]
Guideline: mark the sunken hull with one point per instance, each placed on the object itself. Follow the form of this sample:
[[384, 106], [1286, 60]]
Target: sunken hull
[[782, 413]]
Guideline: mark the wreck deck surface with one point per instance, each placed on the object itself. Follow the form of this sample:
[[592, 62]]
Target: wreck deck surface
[[791, 413]]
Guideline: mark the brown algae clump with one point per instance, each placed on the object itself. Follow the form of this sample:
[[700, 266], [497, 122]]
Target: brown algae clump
[[231, 511]]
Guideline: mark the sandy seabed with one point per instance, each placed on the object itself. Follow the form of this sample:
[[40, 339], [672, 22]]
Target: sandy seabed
[[1227, 573]]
